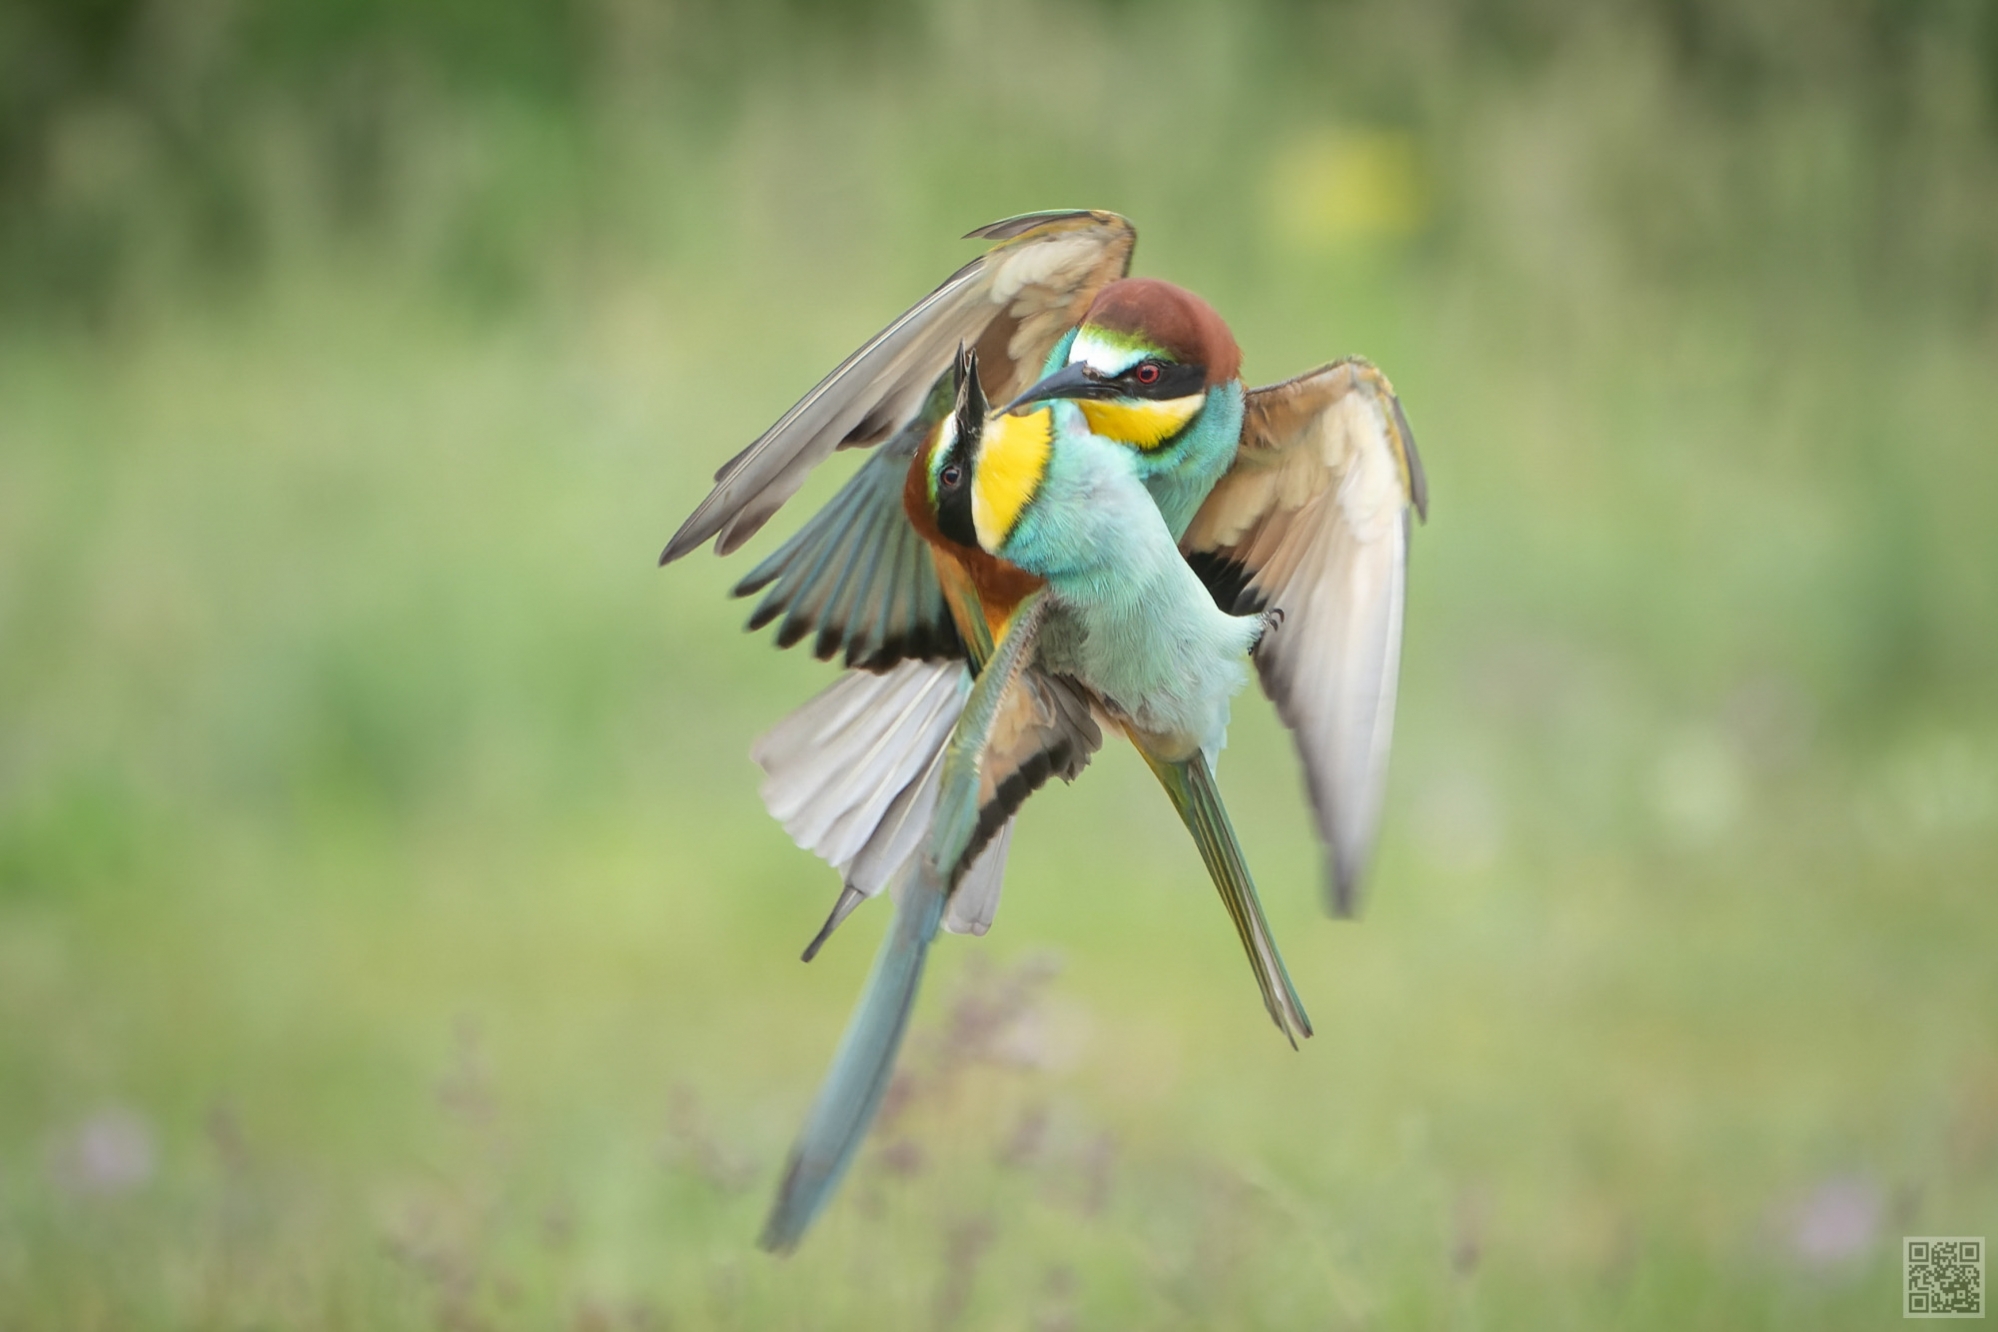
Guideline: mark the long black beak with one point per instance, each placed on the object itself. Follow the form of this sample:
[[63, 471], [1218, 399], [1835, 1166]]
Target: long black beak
[[970, 401], [1074, 380]]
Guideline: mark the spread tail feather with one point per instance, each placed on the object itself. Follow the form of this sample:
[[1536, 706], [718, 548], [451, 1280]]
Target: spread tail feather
[[1190, 783], [853, 1089]]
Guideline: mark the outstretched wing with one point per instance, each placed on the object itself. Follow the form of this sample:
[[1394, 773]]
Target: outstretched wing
[[1313, 520], [1012, 304], [857, 576]]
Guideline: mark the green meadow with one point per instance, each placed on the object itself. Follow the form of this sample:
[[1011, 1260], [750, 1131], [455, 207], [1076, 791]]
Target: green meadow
[[392, 937]]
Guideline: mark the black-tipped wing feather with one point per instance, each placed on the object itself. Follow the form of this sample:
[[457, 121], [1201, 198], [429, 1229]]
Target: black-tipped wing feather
[[857, 578], [1313, 520]]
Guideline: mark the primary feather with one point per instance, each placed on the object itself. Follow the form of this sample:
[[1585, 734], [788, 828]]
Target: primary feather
[[1314, 520], [1013, 303]]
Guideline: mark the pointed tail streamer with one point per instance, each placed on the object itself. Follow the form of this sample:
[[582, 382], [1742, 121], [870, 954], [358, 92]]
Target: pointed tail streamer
[[1190, 783]]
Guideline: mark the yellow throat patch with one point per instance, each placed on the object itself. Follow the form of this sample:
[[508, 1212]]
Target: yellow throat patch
[[1012, 459], [1140, 423]]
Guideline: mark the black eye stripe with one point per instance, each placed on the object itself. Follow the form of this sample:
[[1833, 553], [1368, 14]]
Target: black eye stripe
[[953, 500], [1172, 381]]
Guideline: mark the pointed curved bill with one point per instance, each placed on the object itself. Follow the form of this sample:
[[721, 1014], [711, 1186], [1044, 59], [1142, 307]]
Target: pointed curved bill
[[1075, 380], [1012, 303], [1313, 519]]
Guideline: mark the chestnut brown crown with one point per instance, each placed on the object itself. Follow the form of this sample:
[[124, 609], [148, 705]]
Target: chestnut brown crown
[[1172, 319]]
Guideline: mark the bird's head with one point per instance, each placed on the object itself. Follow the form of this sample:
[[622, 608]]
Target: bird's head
[[1142, 363], [983, 472]]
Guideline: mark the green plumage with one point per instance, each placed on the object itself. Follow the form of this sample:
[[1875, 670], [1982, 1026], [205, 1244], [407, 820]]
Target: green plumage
[[1190, 784]]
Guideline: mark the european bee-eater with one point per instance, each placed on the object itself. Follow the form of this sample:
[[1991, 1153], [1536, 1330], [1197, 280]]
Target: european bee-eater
[[1293, 499]]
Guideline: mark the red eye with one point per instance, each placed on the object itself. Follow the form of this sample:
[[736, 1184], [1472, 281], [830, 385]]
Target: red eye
[[951, 476], [1148, 372]]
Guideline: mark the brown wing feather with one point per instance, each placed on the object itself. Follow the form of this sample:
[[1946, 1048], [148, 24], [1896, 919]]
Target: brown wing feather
[[1013, 302], [1313, 520]]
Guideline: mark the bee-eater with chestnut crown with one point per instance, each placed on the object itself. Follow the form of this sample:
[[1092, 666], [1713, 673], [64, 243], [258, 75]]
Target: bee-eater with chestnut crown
[[1103, 551]]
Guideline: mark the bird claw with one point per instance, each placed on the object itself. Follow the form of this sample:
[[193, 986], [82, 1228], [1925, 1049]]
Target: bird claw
[[1272, 621]]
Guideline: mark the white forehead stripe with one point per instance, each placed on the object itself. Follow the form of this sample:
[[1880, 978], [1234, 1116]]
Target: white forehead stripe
[[1106, 358]]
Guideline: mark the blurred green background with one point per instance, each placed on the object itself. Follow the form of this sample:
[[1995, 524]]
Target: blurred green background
[[390, 932]]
